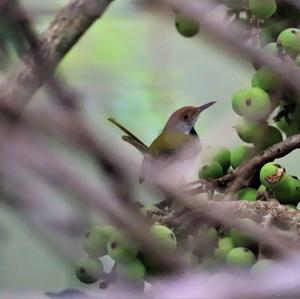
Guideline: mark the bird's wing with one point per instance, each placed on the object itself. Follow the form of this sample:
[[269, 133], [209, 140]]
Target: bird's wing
[[131, 138]]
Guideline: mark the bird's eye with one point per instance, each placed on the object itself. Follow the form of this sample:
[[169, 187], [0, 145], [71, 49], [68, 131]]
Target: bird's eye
[[185, 116]]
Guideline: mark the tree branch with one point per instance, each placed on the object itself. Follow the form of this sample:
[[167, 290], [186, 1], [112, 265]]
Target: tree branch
[[242, 175], [62, 34]]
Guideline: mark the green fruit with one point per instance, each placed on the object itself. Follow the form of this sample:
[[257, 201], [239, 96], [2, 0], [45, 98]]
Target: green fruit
[[270, 174], [269, 136], [240, 256], [262, 265], [225, 245], [186, 26], [120, 248], [285, 188], [96, 239], [248, 194], [266, 79], [89, 270], [220, 154], [133, 270], [240, 239], [289, 39], [262, 8], [261, 189], [210, 171], [248, 131], [164, 235], [253, 103], [271, 49], [238, 100], [240, 154]]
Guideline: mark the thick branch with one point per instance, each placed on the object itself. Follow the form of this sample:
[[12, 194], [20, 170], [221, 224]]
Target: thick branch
[[64, 31]]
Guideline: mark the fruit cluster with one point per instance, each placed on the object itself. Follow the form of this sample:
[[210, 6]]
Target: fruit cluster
[[131, 264], [227, 246]]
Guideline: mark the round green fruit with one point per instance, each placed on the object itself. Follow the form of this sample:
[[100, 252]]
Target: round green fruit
[[219, 154], [89, 270], [239, 238], [95, 240], [210, 171], [164, 235], [269, 136], [248, 194], [186, 26], [262, 8], [120, 248], [133, 270], [240, 256], [248, 131], [266, 79], [262, 265], [289, 39], [285, 188], [225, 245], [271, 49], [240, 154], [253, 103]]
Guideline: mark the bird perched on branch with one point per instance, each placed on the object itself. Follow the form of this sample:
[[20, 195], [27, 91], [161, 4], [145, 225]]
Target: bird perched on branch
[[174, 154]]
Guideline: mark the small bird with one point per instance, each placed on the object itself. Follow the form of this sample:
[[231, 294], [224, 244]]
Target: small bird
[[173, 156]]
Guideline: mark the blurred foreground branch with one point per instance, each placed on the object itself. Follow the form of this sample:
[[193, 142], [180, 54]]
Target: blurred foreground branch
[[62, 34]]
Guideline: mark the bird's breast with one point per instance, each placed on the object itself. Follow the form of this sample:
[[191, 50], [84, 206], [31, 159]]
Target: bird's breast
[[175, 169]]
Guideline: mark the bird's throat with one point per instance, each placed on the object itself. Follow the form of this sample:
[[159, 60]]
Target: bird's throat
[[193, 132]]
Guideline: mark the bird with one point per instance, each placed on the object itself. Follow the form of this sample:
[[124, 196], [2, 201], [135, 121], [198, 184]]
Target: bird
[[172, 158]]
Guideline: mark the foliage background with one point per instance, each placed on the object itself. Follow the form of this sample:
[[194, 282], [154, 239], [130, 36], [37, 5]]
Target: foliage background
[[134, 66]]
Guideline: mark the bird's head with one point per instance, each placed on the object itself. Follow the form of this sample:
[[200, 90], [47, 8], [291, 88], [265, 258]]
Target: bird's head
[[184, 119]]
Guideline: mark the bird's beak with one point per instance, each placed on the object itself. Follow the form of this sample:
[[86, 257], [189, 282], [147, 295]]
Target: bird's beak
[[205, 106]]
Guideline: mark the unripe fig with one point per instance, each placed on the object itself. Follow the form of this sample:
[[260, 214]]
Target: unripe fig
[[289, 39], [248, 131], [96, 239], [262, 8], [248, 194], [240, 154], [134, 270], [239, 238], [266, 79], [269, 136], [186, 26], [253, 103], [120, 248], [285, 188], [210, 171], [241, 257], [225, 245], [164, 235], [270, 48], [89, 270], [220, 154]]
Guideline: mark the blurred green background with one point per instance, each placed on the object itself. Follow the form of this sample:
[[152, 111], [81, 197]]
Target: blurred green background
[[134, 66]]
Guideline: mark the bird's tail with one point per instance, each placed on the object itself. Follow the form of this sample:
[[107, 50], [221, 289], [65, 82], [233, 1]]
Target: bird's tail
[[131, 138]]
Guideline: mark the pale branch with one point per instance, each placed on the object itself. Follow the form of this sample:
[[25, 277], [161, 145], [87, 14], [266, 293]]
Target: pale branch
[[62, 34], [228, 213]]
